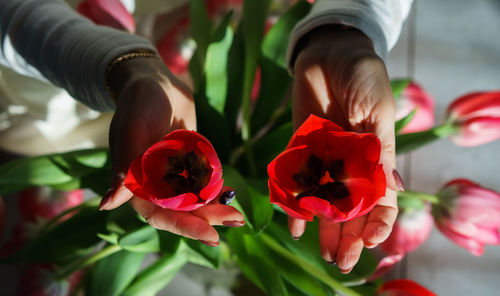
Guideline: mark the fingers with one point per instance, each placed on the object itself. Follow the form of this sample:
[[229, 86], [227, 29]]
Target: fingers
[[384, 129], [218, 214], [115, 197], [329, 237], [296, 227], [181, 223], [380, 220], [351, 244]]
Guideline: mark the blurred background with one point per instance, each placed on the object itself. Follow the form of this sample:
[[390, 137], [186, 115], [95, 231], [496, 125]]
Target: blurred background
[[450, 47]]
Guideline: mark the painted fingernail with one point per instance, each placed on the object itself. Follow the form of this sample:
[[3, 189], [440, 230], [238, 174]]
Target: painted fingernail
[[227, 197], [345, 271], [106, 198], [399, 181], [370, 246], [331, 263], [210, 244], [233, 223], [295, 237]]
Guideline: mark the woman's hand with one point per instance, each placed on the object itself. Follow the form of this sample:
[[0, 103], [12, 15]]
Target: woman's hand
[[338, 76], [151, 102]]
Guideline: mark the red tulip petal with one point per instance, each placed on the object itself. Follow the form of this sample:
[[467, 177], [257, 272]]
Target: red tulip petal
[[312, 123], [178, 202], [134, 181], [286, 165], [318, 206], [287, 202], [209, 192], [403, 287], [208, 151]]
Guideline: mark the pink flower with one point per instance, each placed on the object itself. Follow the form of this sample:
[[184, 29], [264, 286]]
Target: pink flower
[[415, 97], [109, 13], [41, 280], [412, 228], [175, 47], [478, 117], [46, 203], [469, 215]]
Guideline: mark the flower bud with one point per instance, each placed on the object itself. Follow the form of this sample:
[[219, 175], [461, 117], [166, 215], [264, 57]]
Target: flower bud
[[414, 97], [469, 215], [478, 117]]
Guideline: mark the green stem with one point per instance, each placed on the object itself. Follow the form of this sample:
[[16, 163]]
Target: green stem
[[109, 250], [52, 222], [307, 266], [433, 199], [408, 142]]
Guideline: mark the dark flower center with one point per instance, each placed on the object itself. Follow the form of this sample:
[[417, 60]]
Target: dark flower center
[[186, 173], [320, 178]]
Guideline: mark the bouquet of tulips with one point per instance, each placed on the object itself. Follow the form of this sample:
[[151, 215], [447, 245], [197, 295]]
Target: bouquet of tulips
[[245, 141]]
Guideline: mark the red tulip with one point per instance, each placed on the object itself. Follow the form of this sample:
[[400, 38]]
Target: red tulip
[[469, 215], [109, 13], [46, 203], [182, 172], [411, 229], [478, 117], [327, 172], [415, 97], [41, 280], [403, 287], [176, 48]]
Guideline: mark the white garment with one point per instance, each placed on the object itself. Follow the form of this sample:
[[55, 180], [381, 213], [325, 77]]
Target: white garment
[[380, 20]]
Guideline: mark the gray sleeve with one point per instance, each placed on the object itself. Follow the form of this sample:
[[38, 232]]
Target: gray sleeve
[[380, 20], [48, 39]]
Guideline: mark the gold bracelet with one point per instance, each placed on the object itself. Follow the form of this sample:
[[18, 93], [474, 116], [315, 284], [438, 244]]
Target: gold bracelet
[[128, 56], [123, 58]]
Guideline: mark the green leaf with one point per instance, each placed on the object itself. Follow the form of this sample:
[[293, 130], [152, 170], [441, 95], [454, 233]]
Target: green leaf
[[156, 276], [213, 126], [262, 209], [274, 91], [233, 179], [276, 41], [114, 273], [296, 276], [201, 30], [201, 254], [235, 63], [123, 220], [400, 124], [201, 26], [143, 240], [216, 64], [408, 142], [66, 241], [254, 261], [254, 20], [272, 144], [398, 86], [61, 170]]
